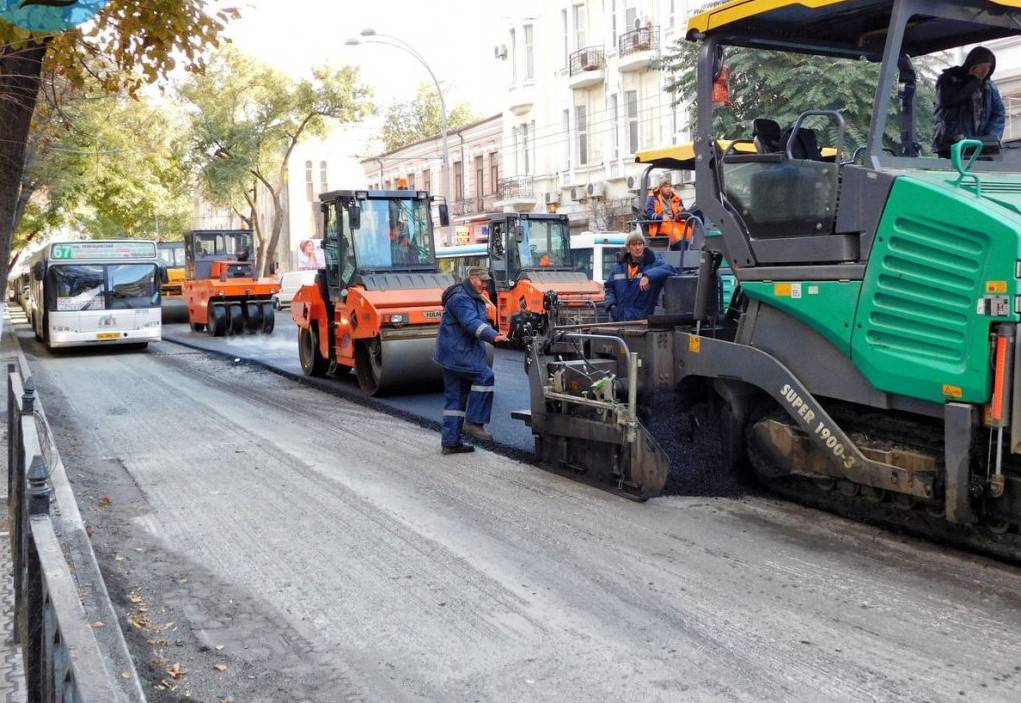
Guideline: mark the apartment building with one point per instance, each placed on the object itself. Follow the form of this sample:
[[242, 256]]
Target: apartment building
[[584, 95], [474, 152]]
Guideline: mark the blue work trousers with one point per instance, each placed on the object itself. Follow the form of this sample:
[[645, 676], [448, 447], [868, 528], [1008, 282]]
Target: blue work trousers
[[466, 396]]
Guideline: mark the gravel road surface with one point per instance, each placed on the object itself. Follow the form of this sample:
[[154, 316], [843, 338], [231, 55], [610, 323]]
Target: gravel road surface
[[318, 550]]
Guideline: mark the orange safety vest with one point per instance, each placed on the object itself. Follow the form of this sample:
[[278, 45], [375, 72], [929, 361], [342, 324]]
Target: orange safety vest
[[676, 229]]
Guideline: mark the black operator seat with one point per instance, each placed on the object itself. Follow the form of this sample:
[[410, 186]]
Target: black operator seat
[[767, 135], [805, 145]]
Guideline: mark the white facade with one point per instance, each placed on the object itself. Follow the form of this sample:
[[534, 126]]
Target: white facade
[[583, 96]]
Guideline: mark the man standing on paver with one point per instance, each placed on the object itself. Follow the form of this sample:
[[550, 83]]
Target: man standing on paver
[[461, 351]]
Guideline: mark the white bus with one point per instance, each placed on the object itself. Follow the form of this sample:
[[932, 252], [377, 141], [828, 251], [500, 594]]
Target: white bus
[[96, 293], [595, 253]]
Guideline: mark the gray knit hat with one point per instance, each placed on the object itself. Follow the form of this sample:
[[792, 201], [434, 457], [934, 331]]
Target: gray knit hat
[[635, 236]]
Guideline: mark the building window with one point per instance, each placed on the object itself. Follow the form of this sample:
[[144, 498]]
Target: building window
[[386, 184], [411, 181], [480, 173], [323, 177], [309, 183], [631, 97], [516, 134], [615, 126], [579, 27], [567, 38], [582, 127], [524, 148], [458, 181], [630, 19], [529, 54], [514, 57], [427, 180], [494, 171], [567, 140], [613, 21]]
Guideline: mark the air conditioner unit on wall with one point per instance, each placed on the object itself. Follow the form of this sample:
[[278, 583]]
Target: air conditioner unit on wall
[[579, 193], [632, 182], [596, 190], [590, 60], [500, 51], [553, 198]]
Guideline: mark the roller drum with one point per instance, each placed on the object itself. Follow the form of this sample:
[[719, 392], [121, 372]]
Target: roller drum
[[397, 364]]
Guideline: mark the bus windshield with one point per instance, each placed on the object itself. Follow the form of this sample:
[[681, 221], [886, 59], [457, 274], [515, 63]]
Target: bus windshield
[[394, 234], [544, 243], [172, 255], [78, 287]]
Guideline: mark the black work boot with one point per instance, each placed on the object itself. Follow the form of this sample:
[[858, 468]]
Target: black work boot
[[477, 431], [458, 449]]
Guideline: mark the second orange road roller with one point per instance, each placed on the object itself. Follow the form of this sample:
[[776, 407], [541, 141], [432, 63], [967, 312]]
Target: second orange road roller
[[376, 306]]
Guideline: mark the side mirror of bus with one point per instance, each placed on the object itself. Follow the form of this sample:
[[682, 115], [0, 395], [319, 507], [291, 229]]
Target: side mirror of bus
[[164, 274], [354, 215], [444, 215], [38, 270]]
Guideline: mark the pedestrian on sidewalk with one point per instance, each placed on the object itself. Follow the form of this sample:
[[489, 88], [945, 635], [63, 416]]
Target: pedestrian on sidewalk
[[461, 351]]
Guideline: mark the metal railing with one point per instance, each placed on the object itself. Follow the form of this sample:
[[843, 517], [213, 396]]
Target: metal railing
[[641, 39], [591, 58], [518, 187], [63, 660], [474, 206]]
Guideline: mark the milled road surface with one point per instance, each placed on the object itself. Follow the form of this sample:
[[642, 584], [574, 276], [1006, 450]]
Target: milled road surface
[[334, 555], [279, 351]]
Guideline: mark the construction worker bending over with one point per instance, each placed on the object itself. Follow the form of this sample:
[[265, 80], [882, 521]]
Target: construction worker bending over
[[633, 287], [461, 351]]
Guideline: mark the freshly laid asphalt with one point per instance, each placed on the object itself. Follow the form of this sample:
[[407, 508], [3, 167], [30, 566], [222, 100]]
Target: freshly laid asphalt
[[279, 352]]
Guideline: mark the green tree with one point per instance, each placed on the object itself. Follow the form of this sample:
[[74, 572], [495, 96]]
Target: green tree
[[105, 164], [782, 85], [129, 45], [420, 118], [247, 119]]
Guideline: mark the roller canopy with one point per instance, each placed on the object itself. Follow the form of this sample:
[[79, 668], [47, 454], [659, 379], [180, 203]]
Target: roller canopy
[[852, 28]]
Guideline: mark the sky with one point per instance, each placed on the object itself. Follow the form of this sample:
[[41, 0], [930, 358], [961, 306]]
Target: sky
[[456, 38]]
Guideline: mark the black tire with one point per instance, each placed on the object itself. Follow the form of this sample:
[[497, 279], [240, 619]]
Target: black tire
[[196, 326], [235, 318], [253, 317], [216, 324], [269, 318], [312, 362], [35, 331]]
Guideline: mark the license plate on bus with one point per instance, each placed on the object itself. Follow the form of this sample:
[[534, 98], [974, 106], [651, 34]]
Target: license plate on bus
[[108, 335]]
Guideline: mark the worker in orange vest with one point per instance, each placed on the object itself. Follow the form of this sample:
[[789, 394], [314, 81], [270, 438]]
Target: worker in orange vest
[[665, 211]]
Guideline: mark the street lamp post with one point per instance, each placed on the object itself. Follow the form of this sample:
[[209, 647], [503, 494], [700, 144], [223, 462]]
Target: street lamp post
[[389, 40]]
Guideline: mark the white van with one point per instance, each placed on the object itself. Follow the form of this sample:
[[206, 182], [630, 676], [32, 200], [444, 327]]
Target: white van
[[290, 282]]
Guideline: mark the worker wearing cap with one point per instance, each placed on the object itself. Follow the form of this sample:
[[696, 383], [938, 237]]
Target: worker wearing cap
[[633, 287], [461, 351], [664, 209]]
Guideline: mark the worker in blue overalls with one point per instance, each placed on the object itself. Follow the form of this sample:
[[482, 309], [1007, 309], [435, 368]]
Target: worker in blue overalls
[[461, 351]]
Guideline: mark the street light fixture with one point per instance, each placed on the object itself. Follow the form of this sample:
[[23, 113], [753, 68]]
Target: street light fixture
[[389, 40]]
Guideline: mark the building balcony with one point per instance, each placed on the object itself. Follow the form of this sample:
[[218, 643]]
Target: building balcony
[[637, 49], [516, 193], [521, 98], [474, 206], [587, 68]]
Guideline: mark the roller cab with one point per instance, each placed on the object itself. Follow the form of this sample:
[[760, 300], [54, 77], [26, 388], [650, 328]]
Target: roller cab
[[376, 306], [530, 256], [223, 294]]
